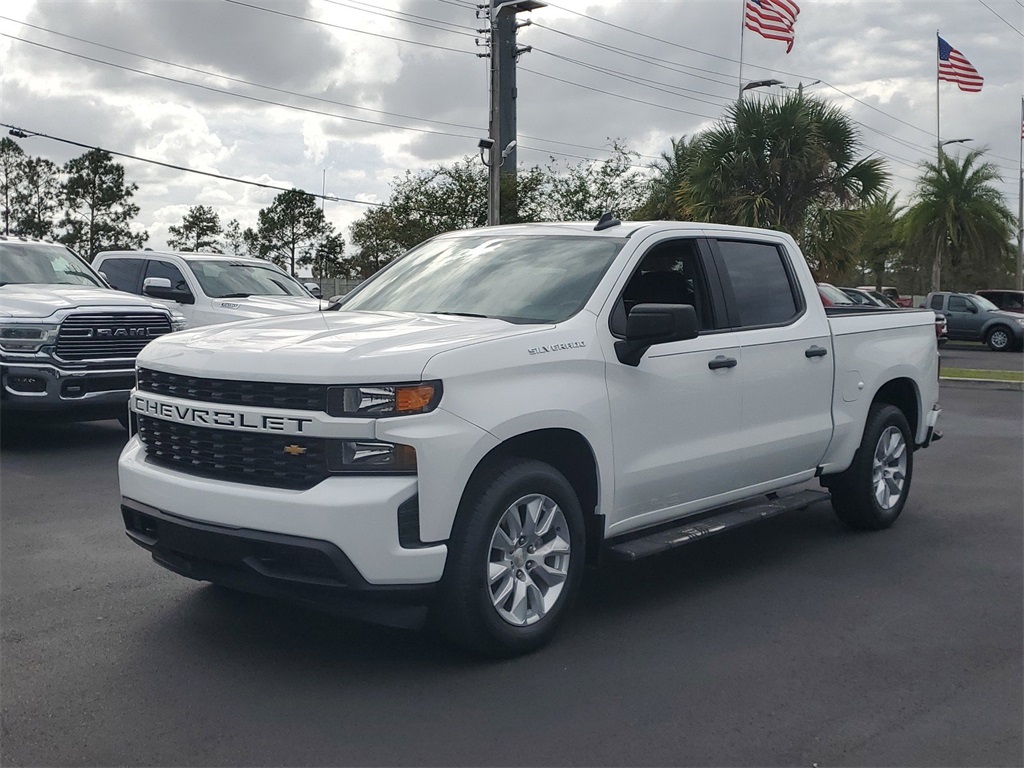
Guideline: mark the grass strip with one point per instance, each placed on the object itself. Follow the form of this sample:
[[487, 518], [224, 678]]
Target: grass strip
[[970, 373]]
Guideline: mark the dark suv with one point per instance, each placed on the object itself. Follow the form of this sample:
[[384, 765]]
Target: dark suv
[[1006, 300], [970, 317]]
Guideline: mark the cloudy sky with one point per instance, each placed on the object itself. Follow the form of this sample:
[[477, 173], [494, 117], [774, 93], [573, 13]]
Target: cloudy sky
[[345, 95]]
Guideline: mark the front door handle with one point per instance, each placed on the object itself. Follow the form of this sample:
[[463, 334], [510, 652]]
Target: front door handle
[[722, 362], [815, 351]]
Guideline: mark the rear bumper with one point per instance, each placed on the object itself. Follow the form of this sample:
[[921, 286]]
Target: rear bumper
[[84, 394], [295, 568]]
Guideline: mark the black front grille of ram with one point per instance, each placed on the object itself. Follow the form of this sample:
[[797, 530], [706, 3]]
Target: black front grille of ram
[[278, 461], [300, 397], [108, 336]]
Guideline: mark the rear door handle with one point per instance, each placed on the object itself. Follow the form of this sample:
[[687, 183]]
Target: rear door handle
[[815, 351], [722, 362]]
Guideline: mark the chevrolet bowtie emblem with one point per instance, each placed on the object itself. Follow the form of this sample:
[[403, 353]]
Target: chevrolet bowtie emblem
[[294, 450]]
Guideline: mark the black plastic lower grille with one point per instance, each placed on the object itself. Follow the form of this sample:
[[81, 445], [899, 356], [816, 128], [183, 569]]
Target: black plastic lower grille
[[301, 397], [278, 461]]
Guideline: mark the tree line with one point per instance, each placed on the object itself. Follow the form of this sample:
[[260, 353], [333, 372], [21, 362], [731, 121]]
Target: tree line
[[792, 163]]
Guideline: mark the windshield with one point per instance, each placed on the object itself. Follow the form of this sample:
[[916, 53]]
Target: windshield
[[521, 279], [41, 264], [223, 279], [984, 303]]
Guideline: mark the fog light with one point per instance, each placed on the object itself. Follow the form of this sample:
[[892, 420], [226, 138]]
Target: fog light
[[26, 384]]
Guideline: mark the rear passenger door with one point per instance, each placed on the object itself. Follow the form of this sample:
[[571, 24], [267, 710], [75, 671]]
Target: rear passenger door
[[787, 361]]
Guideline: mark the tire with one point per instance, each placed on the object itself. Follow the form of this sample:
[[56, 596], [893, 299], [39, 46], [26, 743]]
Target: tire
[[872, 492], [497, 598], [999, 339]]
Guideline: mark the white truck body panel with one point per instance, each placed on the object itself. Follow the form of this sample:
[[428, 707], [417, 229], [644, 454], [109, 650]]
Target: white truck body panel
[[668, 437]]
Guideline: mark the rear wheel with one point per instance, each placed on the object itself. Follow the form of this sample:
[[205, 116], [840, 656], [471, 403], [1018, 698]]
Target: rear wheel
[[515, 559], [872, 492], [999, 339]]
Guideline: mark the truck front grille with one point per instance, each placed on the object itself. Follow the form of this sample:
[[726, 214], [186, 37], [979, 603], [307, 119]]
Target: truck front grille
[[278, 461], [87, 337], [300, 397]]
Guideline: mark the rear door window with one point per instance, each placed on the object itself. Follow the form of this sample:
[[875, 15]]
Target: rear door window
[[123, 274], [937, 302], [763, 288]]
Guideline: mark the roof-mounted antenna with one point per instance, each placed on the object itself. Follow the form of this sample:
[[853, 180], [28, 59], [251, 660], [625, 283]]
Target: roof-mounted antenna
[[606, 221]]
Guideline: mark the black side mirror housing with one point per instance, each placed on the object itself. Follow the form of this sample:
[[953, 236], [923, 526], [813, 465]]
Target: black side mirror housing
[[650, 324]]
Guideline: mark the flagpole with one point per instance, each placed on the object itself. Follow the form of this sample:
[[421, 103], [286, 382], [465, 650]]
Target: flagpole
[[1020, 202], [937, 264], [743, 27]]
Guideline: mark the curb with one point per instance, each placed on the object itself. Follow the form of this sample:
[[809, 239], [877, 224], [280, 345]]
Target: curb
[[956, 383]]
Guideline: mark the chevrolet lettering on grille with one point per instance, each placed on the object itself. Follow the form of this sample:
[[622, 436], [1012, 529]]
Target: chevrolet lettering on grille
[[218, 417]]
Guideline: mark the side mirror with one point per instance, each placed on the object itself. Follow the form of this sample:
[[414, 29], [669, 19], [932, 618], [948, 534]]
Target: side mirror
[[972, 309], [314, 288], [650, 324], [160, 288]]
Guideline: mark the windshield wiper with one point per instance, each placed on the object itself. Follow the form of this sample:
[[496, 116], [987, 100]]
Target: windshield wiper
[[458, 314], [235, 296]]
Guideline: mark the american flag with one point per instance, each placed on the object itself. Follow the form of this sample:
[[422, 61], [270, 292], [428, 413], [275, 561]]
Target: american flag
[[955, 68], [772, 19]]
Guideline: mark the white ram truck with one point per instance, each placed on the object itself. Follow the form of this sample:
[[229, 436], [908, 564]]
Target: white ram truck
[[501, 406]]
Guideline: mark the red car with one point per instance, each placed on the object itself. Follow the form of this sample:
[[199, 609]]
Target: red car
[[890, 293], [1006, 300]]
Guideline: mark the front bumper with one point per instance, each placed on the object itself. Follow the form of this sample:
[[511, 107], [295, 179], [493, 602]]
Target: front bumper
[[358, 515], [40, 387], [296, 568]]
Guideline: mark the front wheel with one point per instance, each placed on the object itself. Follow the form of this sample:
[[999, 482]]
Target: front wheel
[[872, 492], [998, 339], [515, 559]]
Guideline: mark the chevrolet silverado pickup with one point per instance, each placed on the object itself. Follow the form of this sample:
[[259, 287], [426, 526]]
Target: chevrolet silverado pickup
[[67, 341], [501, 406]]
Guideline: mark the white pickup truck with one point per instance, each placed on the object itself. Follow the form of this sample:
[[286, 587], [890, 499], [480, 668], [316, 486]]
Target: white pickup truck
[[208, 288], [501, 406]]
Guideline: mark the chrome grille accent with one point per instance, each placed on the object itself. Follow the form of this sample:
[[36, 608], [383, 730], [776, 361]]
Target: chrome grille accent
[[108, 336]]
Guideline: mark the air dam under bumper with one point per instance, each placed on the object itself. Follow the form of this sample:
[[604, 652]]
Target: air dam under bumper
[[304, 570], [81, 394]]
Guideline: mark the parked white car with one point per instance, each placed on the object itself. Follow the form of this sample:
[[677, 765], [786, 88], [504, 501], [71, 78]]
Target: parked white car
[[502, 405], [208, 288]]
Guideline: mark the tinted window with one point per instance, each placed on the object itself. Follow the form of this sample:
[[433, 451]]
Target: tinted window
[[123, 274], [171, 272], [958, 304], [761, 286], [937, 302], [670, 273]]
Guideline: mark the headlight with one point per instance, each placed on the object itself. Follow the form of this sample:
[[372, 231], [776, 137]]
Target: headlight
[[23, 337], [360, 456], [178, 321], [373, 401]]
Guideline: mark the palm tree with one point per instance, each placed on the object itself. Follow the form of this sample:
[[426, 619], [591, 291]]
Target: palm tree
[[669, 172], [959, 218], [786, 163], [879, 241]]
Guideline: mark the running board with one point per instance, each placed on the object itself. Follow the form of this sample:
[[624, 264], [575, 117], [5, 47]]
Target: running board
[[688, 532]]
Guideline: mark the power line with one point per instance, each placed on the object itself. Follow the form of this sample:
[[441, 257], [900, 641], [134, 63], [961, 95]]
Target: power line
[[30, 134], [236, 79], [349, 29], [1001, 18], [354, 5]]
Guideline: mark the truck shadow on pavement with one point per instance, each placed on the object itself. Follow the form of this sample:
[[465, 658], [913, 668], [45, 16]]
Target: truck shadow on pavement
[[20, 433], [617, 599]]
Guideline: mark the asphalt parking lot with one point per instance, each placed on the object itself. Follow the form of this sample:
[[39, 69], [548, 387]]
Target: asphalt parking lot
[[794, 642], [966, 354]]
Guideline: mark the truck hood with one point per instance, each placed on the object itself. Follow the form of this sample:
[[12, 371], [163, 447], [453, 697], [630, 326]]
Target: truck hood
[[254, 307], [323, 348], [23, 301]]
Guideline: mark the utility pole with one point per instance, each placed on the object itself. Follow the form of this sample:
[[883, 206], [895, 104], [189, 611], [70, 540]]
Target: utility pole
[[504, 53]]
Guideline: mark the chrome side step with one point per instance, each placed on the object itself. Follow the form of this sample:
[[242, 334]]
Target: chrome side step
[[731, 517]]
